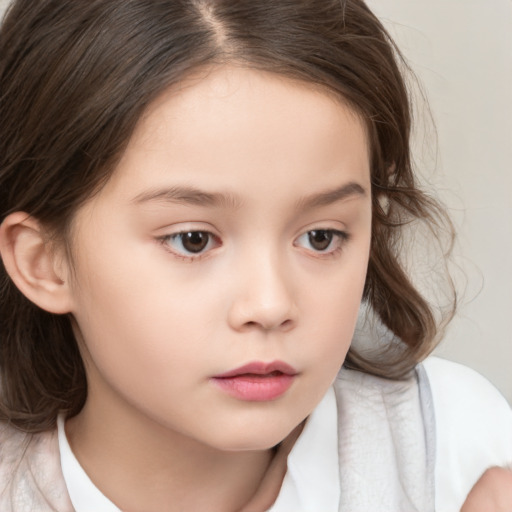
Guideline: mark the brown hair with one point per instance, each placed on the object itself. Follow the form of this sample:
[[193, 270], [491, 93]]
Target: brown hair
[[75, 77]]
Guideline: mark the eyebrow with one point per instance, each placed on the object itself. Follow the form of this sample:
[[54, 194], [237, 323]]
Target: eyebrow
[[329, 197], [190, 196], [194, 196]]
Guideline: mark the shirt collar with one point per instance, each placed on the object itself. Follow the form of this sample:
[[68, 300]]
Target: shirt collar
[[312, 478], [84, 495]]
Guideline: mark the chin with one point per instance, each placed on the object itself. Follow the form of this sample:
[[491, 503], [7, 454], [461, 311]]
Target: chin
[[255, 438]]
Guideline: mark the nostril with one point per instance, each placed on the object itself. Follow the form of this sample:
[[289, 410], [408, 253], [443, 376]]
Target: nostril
[[286, 324]]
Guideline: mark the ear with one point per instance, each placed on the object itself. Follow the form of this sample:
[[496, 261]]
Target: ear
[[38, 270]]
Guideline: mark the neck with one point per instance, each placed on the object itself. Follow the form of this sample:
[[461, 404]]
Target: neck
[[141, 465]]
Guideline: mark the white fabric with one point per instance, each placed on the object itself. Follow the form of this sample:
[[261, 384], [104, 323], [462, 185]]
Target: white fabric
[[474, 425], [471, 416], [383, 451]]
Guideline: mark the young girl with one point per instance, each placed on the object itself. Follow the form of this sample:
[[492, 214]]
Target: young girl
[[196, 197]]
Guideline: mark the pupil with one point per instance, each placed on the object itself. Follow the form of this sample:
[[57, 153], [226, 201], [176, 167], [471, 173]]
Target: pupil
[[195, 241], [320, 240]]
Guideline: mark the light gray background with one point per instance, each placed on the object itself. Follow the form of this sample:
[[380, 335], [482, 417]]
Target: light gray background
[[462, 52]]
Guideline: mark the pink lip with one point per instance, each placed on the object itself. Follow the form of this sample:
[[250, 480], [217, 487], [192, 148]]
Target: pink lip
[[257, 381]]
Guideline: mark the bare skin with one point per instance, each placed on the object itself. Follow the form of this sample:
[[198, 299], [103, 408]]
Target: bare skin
[[492, 493]]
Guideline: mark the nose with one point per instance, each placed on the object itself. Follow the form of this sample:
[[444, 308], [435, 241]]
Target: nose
[[263, 296]]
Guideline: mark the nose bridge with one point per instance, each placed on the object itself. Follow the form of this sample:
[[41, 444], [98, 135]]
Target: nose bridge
[[263, 295]]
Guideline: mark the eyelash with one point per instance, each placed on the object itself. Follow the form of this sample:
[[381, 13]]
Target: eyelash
[[342, 238]]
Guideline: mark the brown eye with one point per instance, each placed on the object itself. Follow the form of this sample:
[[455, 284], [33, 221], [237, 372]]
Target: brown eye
[[194, 241], [320, 240], [191, 243], [323, 242]]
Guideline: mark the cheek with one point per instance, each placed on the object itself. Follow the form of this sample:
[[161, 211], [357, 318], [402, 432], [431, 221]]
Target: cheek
[[129, 314], [334, 309], [347, 292], [333, 329]]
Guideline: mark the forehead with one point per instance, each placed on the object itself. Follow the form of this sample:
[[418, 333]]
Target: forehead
[[230, 126], [243, 94]]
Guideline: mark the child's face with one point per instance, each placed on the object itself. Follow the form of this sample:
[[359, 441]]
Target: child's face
[[236, 229]]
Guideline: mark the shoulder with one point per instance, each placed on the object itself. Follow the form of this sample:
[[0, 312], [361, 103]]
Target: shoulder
[[459, 381], [30, 473], [473, 429], [13, 444], [466, 401]]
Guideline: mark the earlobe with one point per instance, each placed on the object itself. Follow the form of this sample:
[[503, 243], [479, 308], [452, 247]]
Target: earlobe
[[33, 264]]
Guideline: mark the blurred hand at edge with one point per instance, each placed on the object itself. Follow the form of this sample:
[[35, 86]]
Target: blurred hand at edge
[[492, 493]]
